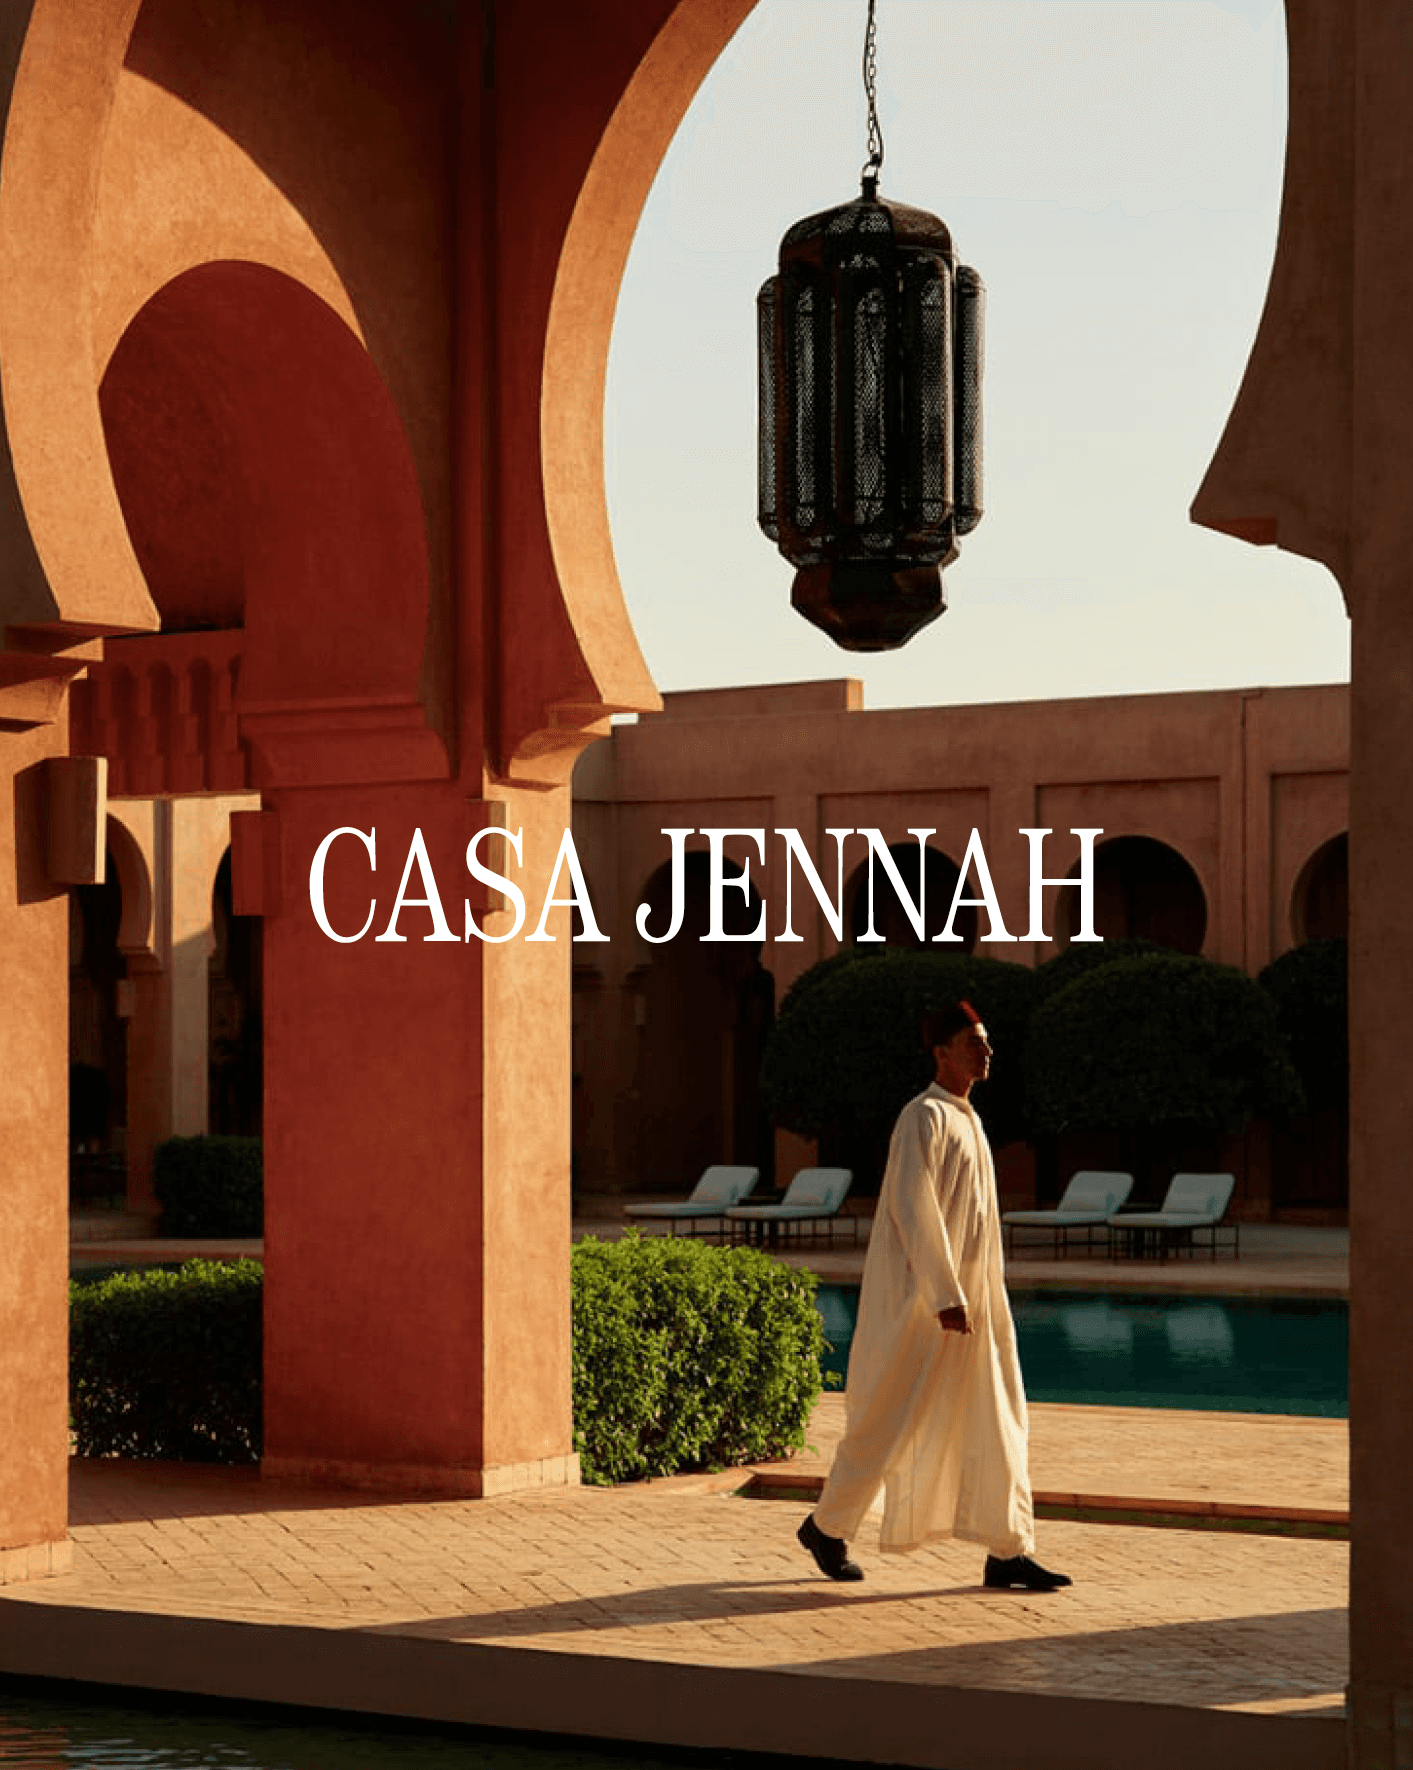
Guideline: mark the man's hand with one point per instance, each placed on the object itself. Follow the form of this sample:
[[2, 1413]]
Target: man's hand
[[954, 1320]]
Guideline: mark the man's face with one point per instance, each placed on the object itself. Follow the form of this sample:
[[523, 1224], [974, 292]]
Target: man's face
[[964, 1059]]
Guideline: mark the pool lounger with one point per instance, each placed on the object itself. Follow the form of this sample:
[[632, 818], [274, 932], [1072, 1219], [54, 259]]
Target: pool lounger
[[812, 1197], [711, 1198], [1196, 1203], [1091, 1199]]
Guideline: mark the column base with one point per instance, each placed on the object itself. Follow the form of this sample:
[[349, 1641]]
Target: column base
[[430, 1479], [35, 1561]]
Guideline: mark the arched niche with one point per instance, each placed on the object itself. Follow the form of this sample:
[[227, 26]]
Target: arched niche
[[266, 483], [929, 870], [1319, 902], [129, 865], [702, 1011], [107, 922], [235, 1037], [1144, 889]]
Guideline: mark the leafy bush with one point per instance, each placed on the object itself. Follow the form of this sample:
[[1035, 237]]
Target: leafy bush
[[846, 1051], [685, 1356], [1310, 987], [1170, 1045], [688, 1356], [210, 1186], [1078, 959], [167, 1364]]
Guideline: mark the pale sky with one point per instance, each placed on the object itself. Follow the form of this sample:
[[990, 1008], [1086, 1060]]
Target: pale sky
[[1113, 170]]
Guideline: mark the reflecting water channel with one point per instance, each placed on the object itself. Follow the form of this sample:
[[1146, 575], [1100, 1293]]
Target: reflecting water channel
[[47, 1728]]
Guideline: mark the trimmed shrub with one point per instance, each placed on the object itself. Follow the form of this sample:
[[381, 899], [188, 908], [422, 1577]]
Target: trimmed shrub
[[1310, 987], [685, 1356], [1171, 1046], [688, 1356], [167, 1364], [210, 1186], [846, 1053], [1080, 958]]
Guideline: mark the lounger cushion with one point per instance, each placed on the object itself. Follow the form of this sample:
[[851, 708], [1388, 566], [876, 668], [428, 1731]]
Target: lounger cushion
[[814, 1192], [1055, 1219], [684, 1208], [775, 1213], [1192, 1200], [1092, 1196], [1165, 1219], [721, 1185]]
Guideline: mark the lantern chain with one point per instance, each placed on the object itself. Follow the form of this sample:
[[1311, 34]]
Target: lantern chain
[[874, 164]]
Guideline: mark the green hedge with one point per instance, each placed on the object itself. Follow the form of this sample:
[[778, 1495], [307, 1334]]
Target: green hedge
[[685, 1356], [209, 1186], [168, 1364], [689, 1356]]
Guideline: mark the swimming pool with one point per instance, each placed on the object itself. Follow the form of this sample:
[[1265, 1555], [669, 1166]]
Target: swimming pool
[[1276, 1355]]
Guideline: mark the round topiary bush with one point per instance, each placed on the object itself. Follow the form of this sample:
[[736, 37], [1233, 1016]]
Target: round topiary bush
[[1310, 987], [1168, 1045], [1084, 956], [688, 1356], [846, 1050]]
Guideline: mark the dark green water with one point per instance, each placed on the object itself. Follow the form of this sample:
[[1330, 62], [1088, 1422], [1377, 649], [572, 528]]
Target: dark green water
[[1268, 1355], [51, 1727]]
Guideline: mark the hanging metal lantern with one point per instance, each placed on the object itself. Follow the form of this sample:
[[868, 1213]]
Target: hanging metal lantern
[[870, 340]]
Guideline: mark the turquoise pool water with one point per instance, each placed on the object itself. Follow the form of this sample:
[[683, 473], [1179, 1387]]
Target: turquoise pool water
[[1276, 1355]]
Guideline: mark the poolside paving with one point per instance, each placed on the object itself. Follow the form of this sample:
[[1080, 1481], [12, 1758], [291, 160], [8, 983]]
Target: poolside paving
[[679, 1613], [1276, 1467]]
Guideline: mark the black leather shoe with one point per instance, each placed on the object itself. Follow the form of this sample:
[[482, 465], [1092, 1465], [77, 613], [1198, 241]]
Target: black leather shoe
[[1021, 1571], [831, 1553]]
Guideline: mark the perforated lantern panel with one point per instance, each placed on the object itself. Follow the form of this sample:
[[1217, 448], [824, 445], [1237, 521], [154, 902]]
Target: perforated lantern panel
[[869, 462]]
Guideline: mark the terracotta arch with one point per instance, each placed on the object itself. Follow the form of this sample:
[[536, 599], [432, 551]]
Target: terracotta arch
[[62, 529], [1191, 920], [1319, 896], [135, 931], [266, 482], [577, 335]]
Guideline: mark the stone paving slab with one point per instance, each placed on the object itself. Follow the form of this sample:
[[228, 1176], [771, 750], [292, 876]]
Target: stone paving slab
[[680, 1615], [1282, 1464]]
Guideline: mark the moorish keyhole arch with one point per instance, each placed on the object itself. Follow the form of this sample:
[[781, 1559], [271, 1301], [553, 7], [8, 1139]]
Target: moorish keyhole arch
[[267, 483]]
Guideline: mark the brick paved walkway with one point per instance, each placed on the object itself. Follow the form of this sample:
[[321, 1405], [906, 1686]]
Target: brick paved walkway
[[677, 1613], [1238, 1465]]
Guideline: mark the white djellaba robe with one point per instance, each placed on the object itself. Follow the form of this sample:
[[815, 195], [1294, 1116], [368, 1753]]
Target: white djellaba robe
[[937, 1418]]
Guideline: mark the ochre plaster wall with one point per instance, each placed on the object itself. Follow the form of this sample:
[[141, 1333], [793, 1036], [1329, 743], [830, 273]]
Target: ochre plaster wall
[[1245, 786]]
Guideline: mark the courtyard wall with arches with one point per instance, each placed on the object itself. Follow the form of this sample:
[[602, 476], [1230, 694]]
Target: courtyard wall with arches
[[1224, 819]]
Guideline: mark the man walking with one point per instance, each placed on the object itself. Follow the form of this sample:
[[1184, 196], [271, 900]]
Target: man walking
[[935, 1407]]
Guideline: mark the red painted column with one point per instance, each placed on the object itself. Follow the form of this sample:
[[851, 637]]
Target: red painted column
[[416, 1239]]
